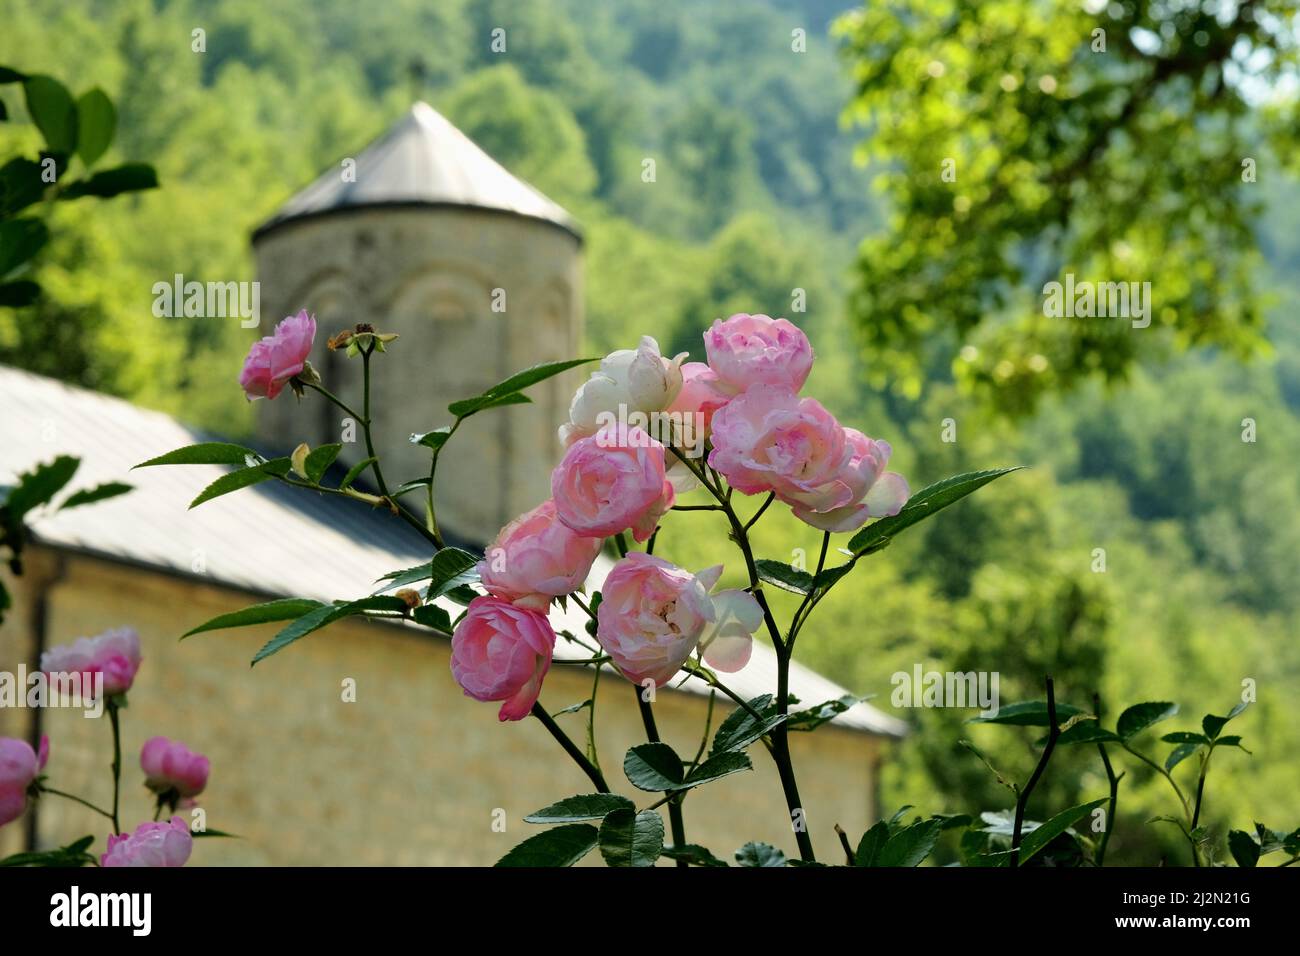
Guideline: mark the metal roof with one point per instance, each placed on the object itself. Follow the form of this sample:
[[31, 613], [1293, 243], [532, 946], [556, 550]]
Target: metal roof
[[423, 160], [269, 539]]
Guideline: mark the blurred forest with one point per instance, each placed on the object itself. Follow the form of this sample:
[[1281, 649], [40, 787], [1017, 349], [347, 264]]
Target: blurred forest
[[758, 195]]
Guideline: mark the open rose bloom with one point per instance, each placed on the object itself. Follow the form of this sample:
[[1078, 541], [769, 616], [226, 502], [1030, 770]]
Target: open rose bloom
[[501, 652], [536, 558], [152, 844], [277, 358], [115, 654], [611, 482]]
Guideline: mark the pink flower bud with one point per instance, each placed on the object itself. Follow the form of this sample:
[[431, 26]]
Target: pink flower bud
[[115, 654], [19, 767], [170, 765], [275, 359]]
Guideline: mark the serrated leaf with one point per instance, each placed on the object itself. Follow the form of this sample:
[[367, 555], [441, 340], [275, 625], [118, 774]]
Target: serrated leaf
[[1179, 754], [811, 718], [1086, 731], [96, 123], [562, 846], [693, 854], [628, 838], [1243, 848], [653, 767], [872, 842], [287, 609], [324, 615], [243, 478], [715, 768], [910, 846], [593, 806], [86, 496], [760, 854], [319, 461], [922, 505], [1139, 717], [432, 616], [740, 729], [1049, 831], [451, 568], [1028, 713], [354, 472], [38, 486], [515, 383], [784, 576], [204, 453]]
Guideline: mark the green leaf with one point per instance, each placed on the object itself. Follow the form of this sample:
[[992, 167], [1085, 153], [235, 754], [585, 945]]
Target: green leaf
[[1182, 737], [9, 75], [1041, 836], [326, 614], [430, 615], [1087, 731], [215, 833], [922, 505], [760, 854], [434, 439], [740, 729], [287, 609], [72, 855], [515, 383], [910, 846], [451, 568], [38, 486], [205, 453], [319, 460], [628, 838], [110, 489], [20, 240], [784, 576], [483, 403], [96, 123], [1179, 754], [15, 295], [1212, 724], [715, 768], [355, 472], [20, 185], [591, 806], [562, 846], [1231, 740], [1243, 847], [654, 767], [407, 487], [243, 478], [1139, 717], [811, 718], [693, 854], [1029, 713], [52, 110], [129, 177], [872, 842]]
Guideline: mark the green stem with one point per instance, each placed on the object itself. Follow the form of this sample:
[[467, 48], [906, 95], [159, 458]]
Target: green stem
[[1022, 799], [1114, 789], [759, 513], [365, 423], [117, 759], [675, 822], [1200, 785], [85, 803], [347, 410], [592, 772]]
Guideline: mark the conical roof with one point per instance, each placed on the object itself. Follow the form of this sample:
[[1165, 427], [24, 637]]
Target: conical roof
[[423, 160]]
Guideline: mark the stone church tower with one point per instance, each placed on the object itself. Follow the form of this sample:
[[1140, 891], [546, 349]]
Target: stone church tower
[[424, 234]]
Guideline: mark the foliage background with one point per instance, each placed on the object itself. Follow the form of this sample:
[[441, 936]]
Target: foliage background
[[758, 195]]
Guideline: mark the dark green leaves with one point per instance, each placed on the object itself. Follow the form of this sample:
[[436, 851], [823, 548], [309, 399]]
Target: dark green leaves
[[129, 177], [96, 123], [1243, 848], [740, 729], [20, 239], [74, 854], [890, 844], [920, 506], [319, 460], [324, 615], [451, 568], [628, 838], [205, 453], [1212, 724], [243, 478], [562, 846], [810, 718], [38, 486], [1029, 713], [355, 471], [86, 496], [1041, 836], [760, 854], [657, 768], [593, 806], [505, 393], [1139, 717], [433, 440], [287, 609], [784, 576], [693, 854], [52, 110]]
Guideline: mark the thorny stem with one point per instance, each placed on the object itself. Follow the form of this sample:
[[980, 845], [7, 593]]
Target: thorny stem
[[117, 759], [570, 747], [85, 803], [675, 822]]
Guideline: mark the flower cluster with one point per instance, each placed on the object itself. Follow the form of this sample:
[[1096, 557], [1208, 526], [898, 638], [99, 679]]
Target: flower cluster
[[623, 467], [173, 773]]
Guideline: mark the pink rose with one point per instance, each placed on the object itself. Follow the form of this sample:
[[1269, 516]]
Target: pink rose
[[769, 439], [537, 557], [19, 767], [152, 844], [115, 654], [702, 394], [502, 652], [653, 615], [275, 359], [170, 765], [750, 350], [874, 492], [612, 481]]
